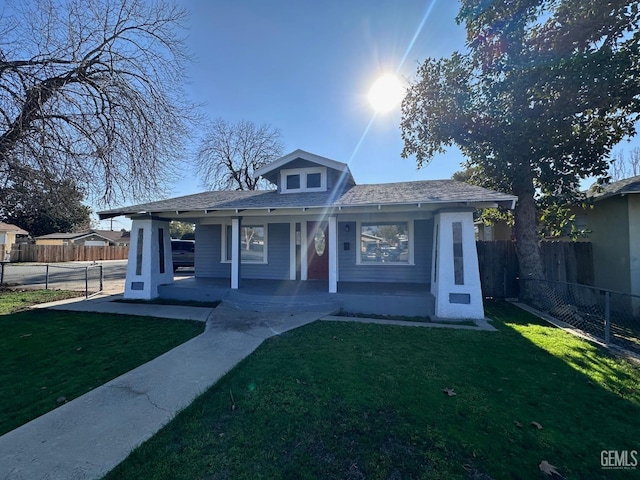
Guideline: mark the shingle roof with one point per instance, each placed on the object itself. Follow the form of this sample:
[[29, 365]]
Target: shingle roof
[[107, 234], [9, 227], [403, 193], [621, 187], [61, 236]]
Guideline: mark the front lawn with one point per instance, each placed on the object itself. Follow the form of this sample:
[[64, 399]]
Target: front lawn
[[51, 357], [350, 401], [16, 300]]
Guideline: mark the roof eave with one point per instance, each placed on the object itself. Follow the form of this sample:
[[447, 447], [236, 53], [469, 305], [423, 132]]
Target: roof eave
[[508, 203]]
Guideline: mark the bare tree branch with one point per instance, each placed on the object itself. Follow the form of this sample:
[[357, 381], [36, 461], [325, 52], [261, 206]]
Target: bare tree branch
[[230, 154], [91, 90]]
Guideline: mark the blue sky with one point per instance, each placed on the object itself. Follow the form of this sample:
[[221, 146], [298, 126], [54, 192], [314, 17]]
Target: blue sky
[[305, 67]]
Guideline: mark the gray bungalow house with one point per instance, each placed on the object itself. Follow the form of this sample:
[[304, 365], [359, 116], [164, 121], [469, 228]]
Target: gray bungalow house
[[405, 248]]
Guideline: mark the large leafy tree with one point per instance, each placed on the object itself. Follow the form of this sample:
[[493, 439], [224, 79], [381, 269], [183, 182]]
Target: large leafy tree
[[544, 91], [41, 206], [230, 153], [91, 91], [181, 230]]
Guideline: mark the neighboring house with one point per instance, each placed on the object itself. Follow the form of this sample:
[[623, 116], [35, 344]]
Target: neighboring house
[[319, 227], [8, 236], [92, 238], [614, 224]]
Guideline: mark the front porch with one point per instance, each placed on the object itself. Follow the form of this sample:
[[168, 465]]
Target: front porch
[[407, 299]]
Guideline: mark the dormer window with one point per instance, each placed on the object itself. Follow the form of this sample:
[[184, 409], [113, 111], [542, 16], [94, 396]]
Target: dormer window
[[313, 179]]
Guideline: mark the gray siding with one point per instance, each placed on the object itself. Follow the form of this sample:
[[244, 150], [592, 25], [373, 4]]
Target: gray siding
[[208, 251], [277, 266], [418, 273]]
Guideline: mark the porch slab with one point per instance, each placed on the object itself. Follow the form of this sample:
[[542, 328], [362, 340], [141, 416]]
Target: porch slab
[[407, 299]]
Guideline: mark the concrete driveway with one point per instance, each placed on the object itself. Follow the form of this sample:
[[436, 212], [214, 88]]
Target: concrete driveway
[[90, 435]]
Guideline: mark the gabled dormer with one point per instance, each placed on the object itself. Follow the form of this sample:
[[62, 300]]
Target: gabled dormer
[[301, 172]]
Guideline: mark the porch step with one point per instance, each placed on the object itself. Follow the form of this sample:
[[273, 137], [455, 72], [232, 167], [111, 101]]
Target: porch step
[[281, 303]]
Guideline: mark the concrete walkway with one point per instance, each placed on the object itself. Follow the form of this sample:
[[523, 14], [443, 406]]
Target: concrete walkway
[[90, 435]]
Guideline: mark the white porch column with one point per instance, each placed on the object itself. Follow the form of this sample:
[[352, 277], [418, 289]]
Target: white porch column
[[333, 254], [292, 250], [150, 263], [235, 252], [304, 255], [455, 277]]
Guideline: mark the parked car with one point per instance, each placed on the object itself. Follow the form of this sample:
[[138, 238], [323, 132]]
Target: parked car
[[183, 253]]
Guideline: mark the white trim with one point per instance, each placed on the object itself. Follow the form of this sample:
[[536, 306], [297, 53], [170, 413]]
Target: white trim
[[245, 223], [292, 250], [303, 172], [333, 254], [410, 227], [235, 253], [304, 256]]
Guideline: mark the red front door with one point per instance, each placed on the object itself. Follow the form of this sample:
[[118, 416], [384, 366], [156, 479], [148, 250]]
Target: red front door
[[317, 251]]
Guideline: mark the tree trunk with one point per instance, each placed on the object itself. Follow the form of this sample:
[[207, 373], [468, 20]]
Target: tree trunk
[[527, 246]]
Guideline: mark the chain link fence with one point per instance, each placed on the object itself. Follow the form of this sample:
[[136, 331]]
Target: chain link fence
[[611, 317], [81, 278]]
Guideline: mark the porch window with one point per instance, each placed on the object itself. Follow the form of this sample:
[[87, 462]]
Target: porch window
[[253, 241], [385, 243]]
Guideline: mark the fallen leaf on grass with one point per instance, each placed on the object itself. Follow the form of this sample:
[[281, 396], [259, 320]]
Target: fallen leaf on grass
[[548, 469], [449, 392], [537, 425]]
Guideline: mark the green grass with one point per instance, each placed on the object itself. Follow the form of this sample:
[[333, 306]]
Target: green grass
[[16, 300], [50, 355], [340, 401]]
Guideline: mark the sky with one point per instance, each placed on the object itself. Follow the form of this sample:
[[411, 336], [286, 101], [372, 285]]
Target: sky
[[306, 66]]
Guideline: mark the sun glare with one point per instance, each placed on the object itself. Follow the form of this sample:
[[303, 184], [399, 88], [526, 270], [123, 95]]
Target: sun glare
[[386, 93]]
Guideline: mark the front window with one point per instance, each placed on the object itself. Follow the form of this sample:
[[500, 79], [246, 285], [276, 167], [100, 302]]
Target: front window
[[384, 243], [252, 244]]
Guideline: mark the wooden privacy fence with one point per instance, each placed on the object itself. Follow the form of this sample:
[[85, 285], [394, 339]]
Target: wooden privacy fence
[[66, 253], [562, 261]]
